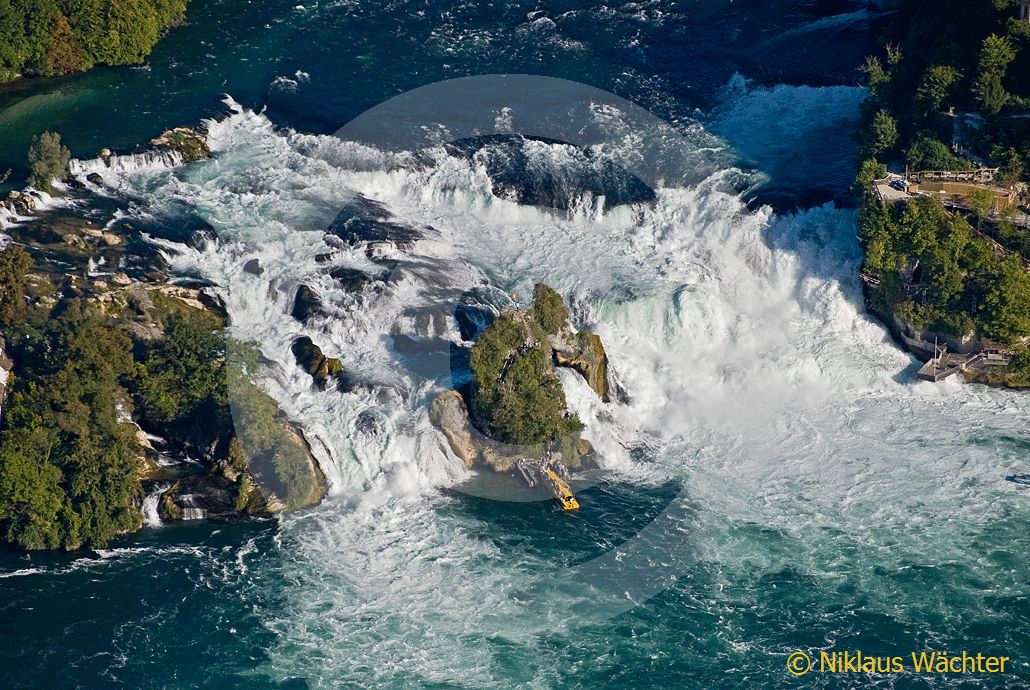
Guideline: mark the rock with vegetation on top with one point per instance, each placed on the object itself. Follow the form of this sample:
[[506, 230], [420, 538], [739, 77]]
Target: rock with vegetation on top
[[517, 405], [278, 458], [189, 143], [582, 351]]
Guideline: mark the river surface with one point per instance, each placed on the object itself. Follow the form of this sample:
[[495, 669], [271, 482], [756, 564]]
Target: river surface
[[774, 480]]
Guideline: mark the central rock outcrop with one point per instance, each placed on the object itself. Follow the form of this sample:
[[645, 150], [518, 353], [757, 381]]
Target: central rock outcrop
[[516, 407]]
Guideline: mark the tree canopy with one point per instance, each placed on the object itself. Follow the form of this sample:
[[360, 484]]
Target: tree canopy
[[52, 37], [47, 160]]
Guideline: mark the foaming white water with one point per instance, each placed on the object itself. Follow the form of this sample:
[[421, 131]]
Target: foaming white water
[[711, 313], [753, 374], [151, 515]]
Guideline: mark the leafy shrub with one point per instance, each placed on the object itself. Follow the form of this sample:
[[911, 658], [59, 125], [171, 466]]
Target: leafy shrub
[[182, 381]]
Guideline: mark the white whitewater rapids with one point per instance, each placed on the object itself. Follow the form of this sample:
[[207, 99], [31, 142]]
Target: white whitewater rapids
[[753, 372]]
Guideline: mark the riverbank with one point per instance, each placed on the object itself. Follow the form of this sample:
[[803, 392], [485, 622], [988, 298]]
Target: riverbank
[[47, 38], [946, 243], [146, 359]]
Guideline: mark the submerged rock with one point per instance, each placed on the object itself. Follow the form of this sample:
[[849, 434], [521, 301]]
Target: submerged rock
[[253, 267], [366, 221], [565, 179], [351, 279], [472, 320]]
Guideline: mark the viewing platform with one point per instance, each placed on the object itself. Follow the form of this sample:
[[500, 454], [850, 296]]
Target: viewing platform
[[947, 364]]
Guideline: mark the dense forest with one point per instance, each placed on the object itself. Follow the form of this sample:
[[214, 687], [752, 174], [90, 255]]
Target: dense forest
[[972, 57], [70, 462], [53, 37], [950, 91]]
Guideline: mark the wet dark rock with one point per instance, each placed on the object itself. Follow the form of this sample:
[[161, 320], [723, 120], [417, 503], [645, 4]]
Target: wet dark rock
[[472, 320], [201, 237], [95, 178], [558, 181], [306, 304], [351, 279], [253, 267], [369, 422], [364, 220], [322, 369]]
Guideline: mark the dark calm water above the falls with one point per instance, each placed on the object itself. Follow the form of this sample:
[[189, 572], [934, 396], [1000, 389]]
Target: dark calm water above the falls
[[777, 480]]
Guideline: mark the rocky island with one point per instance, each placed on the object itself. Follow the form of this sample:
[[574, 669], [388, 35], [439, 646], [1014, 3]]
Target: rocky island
[[514, 414], [125, 401]]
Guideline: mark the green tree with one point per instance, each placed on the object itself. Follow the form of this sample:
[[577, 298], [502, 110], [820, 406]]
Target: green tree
[[13, 47], [937, 85], [1012, 171], [31, 497], [66, 54], [130, 33], [549, 309], [877, 77], [182, 383], [870, 170], [15, 263], [981, 201], [38, 17], [995, 55], [47, 160], [882, 134], [927, 153], [66, 436], [88, 19], [1006, 303]]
